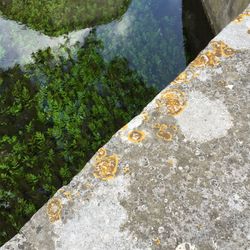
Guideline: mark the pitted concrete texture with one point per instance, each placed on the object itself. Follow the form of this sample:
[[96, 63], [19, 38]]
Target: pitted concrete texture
[[176, 177]]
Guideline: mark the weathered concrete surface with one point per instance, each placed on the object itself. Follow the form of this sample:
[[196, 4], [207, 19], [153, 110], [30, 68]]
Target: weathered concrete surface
[[175, 177], [222, 12]]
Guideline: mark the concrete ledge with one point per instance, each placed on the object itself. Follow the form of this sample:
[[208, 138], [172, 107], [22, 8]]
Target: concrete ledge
[[175, 177]]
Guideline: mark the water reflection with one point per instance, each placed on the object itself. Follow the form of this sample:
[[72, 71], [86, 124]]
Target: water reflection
[[55, 18], [150, 37], [18, 42]]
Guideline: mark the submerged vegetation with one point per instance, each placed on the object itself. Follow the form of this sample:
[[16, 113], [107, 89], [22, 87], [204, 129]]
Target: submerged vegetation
[[54, 114], [59, 17], [150, 36]]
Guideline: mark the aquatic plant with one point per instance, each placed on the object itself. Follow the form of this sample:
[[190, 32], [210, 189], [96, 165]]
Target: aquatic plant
[[150, 36], [54, 115], [62, 16]]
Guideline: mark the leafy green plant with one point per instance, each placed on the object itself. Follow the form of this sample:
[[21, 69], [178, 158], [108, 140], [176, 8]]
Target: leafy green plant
[[59, 17], [150, 36], [54, 115]]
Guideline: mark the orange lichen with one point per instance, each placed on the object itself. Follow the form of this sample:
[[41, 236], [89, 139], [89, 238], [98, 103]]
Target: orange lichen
[[106, 167], [167, 136], [222, 83], [212, 57], [54, 209], [174, 100], [88, 185], [242, 16], [185, 77], [101, 152], [136, 136], [126, 170], [145, 116], [65, 193], [157, 241], [208, 58], [68, 195], [181, 78], [173, 127], [170, 162], [222, 49], [165, 131]]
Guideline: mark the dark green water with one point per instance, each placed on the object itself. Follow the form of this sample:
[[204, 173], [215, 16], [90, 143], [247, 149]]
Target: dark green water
[[66, 89], [150, 37]]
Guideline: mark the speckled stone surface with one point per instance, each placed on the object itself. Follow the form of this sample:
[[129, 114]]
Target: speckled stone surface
[[176, 177]]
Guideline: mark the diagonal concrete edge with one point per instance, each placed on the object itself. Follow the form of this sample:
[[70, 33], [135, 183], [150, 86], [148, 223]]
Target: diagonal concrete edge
[[175, 177]]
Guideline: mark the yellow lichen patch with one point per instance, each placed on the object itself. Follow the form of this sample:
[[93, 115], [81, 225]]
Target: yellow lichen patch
[[170, 162], [54, 209], [241, 17], [200, 61], [165, 131], [173, 127], [145, 116], [212, 57], [174, 100], [101, 152], [124, 127], [185, 77], [181, 78], [213, 60], [208, 58], [106, 167], [88, 185], [222, 83], [68, 195], [126, 170], [158, 103], [167, 136], [136, 136], [157, 241], [222, 49]]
